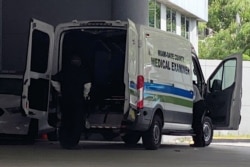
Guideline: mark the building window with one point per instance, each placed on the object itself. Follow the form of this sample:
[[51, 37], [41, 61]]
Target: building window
[[185, 26], [154, 14], [171, 20]]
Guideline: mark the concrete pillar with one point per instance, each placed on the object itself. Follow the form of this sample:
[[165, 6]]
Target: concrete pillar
[[178, 23], [1, 32], [193, 34], [163, 17], [135, 10]]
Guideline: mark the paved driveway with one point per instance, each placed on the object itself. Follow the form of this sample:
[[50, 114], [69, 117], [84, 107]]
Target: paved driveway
[[116, 154]]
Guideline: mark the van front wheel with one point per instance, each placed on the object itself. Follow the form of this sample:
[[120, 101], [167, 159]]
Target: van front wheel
[[152, 138], [204, 133]]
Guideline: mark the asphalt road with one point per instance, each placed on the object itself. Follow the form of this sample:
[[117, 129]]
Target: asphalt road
[[116, 154]]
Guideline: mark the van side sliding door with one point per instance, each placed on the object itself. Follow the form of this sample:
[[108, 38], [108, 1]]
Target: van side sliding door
[[224, 91], [36, 83]]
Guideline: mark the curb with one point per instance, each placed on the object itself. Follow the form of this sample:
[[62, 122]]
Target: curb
[[226, 140]]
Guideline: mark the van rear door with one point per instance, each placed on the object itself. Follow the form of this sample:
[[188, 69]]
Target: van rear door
[[131, 65], [224, 92], [36, 84]]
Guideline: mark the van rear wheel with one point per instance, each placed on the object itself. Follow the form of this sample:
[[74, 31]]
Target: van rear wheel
[[152, 138], [131, 138], [32, 132]]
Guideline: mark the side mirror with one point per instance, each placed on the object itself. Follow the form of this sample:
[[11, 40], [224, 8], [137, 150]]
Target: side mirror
[[217, 85]]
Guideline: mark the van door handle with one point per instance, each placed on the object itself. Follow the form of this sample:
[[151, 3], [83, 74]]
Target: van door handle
[[171, 84], [25, 82]]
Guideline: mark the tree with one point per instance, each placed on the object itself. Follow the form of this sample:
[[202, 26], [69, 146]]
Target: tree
[[229, 20]]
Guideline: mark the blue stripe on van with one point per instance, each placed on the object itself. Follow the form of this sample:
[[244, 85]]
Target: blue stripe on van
[[164, 89]]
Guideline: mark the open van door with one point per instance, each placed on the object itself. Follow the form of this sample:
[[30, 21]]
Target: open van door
[[36, 83], [131, 64], [224, 92]]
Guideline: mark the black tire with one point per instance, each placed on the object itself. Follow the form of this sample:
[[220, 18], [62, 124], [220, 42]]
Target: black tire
[[32, 132], [152, 138], [68, 139], [204, 133], [53, 136], [131, 138]]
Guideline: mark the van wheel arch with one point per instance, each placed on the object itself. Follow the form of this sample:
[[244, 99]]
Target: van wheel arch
[[160, 114], [157, 110], [151, 139]]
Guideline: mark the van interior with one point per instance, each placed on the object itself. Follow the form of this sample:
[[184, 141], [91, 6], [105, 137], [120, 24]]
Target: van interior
[[104, 51]]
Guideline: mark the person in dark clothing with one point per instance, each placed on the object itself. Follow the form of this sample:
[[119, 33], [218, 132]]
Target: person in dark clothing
[[73, 82], [198, 111]]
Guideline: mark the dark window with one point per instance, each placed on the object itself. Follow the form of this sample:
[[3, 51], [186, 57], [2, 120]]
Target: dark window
[[11, 86], [171, 20], [154, 14], [39, 51], [183, 26], [225, 74], [197, 75]]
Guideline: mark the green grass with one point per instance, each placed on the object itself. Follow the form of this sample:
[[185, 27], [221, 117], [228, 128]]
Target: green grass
[[231, 136]]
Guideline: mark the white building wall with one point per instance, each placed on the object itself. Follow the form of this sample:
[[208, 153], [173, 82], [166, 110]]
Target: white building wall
[[198, 8]]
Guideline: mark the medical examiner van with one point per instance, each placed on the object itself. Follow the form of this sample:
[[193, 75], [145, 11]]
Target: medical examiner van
[[142, 82]]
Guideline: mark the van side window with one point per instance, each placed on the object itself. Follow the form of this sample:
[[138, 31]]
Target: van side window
[[197, 79], [39, 51], [224, 77]]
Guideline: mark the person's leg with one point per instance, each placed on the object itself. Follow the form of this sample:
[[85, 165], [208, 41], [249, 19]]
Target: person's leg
[[65, 130], [198, 111]]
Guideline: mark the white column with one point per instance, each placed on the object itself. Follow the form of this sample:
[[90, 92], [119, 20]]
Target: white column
[[163, 17], [193, 33], [178, 23]]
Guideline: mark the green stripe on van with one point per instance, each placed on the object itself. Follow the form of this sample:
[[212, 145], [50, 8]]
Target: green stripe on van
[[133, 92], [170, 99], [165, 99]]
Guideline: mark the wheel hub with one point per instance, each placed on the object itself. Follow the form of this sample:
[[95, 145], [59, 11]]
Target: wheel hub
[[207, 132], [156, 134]]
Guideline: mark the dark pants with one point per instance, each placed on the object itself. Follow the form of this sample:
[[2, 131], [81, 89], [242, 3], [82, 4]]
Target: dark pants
[[198, 111], [72, 120]]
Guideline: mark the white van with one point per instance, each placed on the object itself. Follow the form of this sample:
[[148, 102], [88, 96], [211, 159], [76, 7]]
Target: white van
[[142, 81]]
